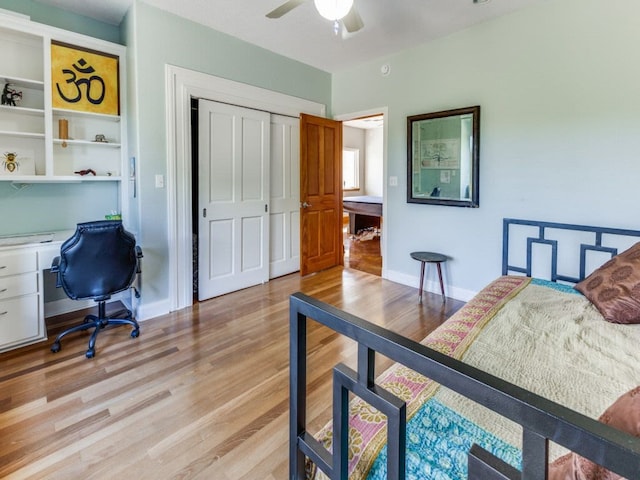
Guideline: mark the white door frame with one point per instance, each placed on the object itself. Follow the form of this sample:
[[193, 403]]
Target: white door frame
[[181, 85], [385, 139]]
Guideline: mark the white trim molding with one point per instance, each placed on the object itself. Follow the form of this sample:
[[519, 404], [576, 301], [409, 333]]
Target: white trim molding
[[181, 86]]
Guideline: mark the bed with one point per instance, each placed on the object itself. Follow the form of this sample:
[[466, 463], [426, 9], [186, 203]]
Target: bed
[[487, 395], [364, 211]]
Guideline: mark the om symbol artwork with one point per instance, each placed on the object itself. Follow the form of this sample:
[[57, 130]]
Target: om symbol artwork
[[86, 83]]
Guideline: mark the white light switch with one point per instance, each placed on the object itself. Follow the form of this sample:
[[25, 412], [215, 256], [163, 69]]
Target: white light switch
[[159, 181], [393, 181]]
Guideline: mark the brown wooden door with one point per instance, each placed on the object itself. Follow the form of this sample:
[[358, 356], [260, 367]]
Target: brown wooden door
[[320, 194]]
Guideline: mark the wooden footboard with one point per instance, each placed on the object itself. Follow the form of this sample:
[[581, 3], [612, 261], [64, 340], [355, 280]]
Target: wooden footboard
[[541, 420]]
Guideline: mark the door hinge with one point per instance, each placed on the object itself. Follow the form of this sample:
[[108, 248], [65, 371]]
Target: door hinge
[[204, 213], [266, 208]]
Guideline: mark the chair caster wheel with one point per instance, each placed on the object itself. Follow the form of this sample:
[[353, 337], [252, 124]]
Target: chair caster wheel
[[90, 353], [55, 348], [135, 333]]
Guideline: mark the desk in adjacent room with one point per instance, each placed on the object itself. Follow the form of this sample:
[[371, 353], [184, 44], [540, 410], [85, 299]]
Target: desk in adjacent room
[[364, 211]]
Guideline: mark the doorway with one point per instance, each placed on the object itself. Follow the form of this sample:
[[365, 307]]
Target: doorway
[[183, 85], [363, 192]]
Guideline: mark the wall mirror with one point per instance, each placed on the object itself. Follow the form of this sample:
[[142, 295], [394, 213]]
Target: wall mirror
[[443, 156]]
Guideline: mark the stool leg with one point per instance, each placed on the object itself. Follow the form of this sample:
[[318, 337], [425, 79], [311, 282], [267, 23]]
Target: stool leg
[[421, 281], [440, 277]]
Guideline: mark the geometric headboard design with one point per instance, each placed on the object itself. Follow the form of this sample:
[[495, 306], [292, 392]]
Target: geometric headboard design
[[576, 241]]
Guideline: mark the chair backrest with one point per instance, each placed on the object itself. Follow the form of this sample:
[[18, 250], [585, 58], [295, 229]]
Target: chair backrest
[[99, 260]]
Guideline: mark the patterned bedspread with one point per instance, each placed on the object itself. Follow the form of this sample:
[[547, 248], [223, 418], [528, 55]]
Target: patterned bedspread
[[541, 336]]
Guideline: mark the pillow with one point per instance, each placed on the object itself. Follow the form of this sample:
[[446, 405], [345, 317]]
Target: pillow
[[614, 288], [624, 415]]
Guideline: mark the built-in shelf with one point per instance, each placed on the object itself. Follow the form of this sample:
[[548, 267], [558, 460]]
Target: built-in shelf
[[27, 179], [86, 142], [23, 110], [23, 82], [22, 134], [61, 112], [32, 126]]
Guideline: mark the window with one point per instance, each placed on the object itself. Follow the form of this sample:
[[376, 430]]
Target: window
[[350, 169]]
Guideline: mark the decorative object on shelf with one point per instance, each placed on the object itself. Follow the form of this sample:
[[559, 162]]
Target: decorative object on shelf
[[63, 131], [10, 162], [14, 163], [100, 138], [84, 79], [87, 171], [10, 95]]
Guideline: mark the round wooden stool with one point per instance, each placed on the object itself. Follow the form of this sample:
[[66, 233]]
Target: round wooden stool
[[429, 257]]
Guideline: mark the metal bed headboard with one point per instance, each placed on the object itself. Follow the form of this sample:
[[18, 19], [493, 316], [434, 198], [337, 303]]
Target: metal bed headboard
[[543, 238]]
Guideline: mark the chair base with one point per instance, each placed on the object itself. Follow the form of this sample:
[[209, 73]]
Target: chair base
[[98, 323]]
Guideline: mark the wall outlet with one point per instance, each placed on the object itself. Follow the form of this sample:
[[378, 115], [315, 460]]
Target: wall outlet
[[393, 181]]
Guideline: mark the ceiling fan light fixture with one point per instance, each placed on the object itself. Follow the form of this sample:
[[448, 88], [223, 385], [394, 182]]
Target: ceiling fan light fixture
[[333, 9]]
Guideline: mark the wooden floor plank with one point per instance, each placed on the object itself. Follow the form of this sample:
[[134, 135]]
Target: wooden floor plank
[[202, 393]]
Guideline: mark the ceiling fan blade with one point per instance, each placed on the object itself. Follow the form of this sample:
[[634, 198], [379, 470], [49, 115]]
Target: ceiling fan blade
[[284, 8], [352, 21]]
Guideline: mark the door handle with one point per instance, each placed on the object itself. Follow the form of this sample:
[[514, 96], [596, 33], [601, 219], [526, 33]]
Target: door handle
[[305, 205]]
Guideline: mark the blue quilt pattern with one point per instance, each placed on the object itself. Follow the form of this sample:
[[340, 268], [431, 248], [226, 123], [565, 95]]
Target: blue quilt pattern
[[438, 441]]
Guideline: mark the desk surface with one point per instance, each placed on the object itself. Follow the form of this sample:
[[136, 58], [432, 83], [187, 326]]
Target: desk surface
[[34, 239]]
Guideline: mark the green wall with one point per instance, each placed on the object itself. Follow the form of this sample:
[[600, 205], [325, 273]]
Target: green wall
[[557, 84], [198, 48], [44, 207], [558, 88], [63, 19]]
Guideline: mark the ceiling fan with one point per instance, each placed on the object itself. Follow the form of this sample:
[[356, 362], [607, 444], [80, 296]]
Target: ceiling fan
[[334, 10]]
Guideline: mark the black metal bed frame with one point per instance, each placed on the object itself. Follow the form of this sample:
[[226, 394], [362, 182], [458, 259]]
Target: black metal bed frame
[[542, 420]]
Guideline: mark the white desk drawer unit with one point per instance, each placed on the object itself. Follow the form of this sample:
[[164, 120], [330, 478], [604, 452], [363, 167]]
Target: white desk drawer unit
[[21, 320], [17, 285], [15, 261], [21, 295]]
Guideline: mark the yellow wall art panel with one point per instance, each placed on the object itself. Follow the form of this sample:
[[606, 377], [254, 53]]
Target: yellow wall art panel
[[85, 80]]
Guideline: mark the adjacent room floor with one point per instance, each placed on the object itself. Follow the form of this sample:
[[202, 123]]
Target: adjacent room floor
[[362, 251]]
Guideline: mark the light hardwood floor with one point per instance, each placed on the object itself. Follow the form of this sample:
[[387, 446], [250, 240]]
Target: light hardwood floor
[[202, 393]]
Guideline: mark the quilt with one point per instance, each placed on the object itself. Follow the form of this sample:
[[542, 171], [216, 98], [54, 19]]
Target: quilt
[[542, 336]]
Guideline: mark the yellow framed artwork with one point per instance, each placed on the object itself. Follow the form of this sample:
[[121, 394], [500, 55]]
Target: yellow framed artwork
[[84, 79]]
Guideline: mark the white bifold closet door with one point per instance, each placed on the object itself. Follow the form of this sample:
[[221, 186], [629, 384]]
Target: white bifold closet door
[[233, 185], [284, 223], [237, 164]]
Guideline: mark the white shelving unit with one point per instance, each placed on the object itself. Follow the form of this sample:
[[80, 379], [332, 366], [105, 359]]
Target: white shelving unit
[[31, 152], [30, 129]]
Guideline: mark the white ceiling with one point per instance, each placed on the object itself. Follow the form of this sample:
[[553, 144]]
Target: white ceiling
[[301, 34]]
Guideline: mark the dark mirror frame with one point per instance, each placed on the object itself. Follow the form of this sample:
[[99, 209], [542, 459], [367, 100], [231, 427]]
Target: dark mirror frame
[[433, 128]]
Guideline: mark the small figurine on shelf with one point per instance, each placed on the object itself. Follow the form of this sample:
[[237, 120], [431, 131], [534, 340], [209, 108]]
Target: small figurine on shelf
[[10, 95], [100, 138], [10, 163], [88, 171]]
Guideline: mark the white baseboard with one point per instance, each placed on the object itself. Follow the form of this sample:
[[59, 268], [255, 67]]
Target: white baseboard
[[151, 310], [430, 286]]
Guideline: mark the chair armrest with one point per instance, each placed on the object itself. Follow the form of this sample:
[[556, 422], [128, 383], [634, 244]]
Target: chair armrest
[[55, 265], [138, 255], [55, 268]]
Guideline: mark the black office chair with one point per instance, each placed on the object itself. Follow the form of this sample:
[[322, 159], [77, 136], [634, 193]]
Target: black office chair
[[99, 260]]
